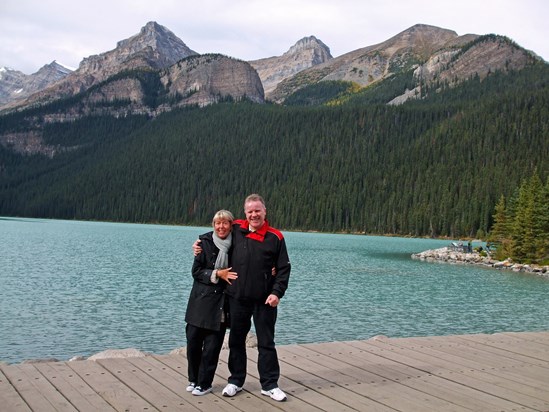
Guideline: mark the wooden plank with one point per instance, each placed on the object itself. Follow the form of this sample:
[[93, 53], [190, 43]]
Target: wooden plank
[[9, 398], [529, 348], [526, 348], [67, 382], [300, 398], [139, 382], [176, 382], [412, 377], [245, 401], [109, 387], [409, 376], [322, 389], [484, 359], [500, 372], [540, 337], [503, 352], [485, 388], [445, 365], [513, 344], [35, 389], [490, 383], [374, 386]]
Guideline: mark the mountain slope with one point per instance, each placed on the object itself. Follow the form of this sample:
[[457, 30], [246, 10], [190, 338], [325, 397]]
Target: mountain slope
[[307, 52], [154, 47], [196, 80], [15, 85], [437, 55]]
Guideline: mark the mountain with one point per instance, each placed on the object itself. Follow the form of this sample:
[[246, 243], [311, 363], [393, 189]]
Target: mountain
[[307, 52], [435, 166], [196, 80], [15, 85], [436, 55], [154, 72], [153, 48], [418, 135]]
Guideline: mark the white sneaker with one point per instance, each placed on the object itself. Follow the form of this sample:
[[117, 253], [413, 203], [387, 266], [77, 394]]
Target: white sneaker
[[275, 394], [198, 391], [231, 390], [191, 386]]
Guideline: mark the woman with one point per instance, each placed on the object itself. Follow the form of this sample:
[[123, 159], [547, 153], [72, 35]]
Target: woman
[[206, 316]]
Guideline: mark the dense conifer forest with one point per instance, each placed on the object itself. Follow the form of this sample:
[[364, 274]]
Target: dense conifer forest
[[521, 223], [335, 160]]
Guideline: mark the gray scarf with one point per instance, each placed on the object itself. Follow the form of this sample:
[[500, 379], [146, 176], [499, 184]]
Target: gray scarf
[[223, 245]]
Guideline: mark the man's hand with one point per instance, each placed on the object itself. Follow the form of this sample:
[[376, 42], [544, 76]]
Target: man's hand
[[197, 250], [272, 300], [226, 275]]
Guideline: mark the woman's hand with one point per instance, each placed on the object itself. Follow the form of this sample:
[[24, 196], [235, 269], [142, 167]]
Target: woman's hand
[[227, 275]]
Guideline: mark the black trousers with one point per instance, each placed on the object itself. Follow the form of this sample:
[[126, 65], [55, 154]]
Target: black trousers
[[264, 317], [203, 347]]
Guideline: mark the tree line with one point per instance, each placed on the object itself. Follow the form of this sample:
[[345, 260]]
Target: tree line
[[431, 167]]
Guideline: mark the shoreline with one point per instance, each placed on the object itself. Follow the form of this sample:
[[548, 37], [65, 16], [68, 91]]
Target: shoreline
[[447, 255], [251, 342]]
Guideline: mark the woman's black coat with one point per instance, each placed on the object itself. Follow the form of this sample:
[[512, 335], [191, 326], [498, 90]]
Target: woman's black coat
[[206, 301]]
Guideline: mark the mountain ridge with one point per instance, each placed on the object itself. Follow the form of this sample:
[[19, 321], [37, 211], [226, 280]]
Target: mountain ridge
[[307, 62], [154, 48], [417, 46], [154, 72]]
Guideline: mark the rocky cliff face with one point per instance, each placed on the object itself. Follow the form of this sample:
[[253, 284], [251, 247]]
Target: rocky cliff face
[[205, 79], [306, 53], [15, 85], [201, 80]]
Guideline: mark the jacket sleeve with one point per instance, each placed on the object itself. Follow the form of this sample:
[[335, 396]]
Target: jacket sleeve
[[283, 268], [200, 271]]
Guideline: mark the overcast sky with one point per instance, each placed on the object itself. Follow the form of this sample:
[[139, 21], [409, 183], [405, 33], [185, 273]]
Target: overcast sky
[[36, 32]]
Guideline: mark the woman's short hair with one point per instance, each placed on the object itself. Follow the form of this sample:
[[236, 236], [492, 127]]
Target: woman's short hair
[[223, 215]]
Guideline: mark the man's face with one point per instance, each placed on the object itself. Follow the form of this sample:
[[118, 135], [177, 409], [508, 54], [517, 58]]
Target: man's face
[[255, 214]]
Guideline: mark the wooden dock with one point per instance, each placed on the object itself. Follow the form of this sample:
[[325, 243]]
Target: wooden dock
[[500, 372]]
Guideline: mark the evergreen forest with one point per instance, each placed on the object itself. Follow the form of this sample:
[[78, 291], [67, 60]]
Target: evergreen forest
[[521, 223], [335, 160]]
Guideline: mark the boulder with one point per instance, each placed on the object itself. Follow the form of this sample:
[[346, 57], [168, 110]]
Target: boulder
[[118, 353]]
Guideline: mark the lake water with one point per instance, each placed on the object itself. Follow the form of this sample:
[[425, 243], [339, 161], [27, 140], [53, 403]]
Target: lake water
[[72, 288]]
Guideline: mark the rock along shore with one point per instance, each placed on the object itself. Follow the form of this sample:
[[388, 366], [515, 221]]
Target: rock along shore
[[449, 255], [251, 342]]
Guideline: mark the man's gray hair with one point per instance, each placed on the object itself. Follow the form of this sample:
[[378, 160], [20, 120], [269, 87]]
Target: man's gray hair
[[252, 198]]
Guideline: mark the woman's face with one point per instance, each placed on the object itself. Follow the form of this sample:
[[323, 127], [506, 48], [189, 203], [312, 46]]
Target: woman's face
[[222, 227]]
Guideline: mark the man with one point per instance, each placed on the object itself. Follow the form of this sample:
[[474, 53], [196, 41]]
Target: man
[[255, 294]]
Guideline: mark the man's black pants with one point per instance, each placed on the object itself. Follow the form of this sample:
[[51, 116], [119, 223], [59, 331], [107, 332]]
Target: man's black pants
[[264, 317]]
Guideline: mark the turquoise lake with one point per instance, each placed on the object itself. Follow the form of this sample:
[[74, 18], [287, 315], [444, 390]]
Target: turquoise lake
[[72, 288]]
